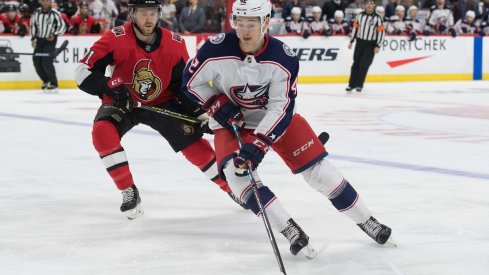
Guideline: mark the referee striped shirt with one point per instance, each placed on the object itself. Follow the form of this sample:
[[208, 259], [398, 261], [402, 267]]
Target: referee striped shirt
[[368, 27], [43, 24]]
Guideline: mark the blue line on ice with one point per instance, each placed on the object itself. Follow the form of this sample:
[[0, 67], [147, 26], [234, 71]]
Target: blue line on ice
[[391, 164]]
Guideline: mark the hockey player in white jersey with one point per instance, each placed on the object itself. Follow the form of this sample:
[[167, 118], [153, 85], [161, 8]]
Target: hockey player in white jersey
[[338, 24], [414, 26], [317, 24], [467, 24], [396, 22], [248, 78], [295, 23], [441, 19]]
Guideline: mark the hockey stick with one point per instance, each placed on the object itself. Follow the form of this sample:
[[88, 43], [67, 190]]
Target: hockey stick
[[260, 205], [167, 113], [51, 54]]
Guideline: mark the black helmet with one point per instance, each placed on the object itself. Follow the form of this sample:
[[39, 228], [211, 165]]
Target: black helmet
[[144, 3]]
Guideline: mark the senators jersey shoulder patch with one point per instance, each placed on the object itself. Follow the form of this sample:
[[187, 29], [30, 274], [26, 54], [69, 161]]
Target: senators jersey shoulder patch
[[119, 31], [176, 37]]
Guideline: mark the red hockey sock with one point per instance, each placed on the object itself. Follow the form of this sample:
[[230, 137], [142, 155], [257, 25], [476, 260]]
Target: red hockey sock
[[202, 155], [106, 141]]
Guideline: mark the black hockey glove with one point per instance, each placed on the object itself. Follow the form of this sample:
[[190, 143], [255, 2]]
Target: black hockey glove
[[306, 34], [452, 32], [426, 33], [120, 95], [412, 36], [440, 28], [252, 152], [223, 111]]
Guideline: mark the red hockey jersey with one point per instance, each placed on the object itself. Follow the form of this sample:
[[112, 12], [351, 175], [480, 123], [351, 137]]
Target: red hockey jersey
[[153, 73]]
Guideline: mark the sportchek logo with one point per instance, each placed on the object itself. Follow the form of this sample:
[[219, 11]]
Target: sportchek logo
[[397, 63]]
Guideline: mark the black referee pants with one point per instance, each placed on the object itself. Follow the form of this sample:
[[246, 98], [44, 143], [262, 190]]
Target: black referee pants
[[362, 58], [45, 65]]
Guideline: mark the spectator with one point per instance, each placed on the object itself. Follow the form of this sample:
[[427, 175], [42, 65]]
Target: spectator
[[25, 19], [441, 19], [414, 26], [105, 11], [390, 8], [286, 12], [396, 22], [317, 24], [10, 19], [331, 6], [192, 18], [123, 9], [339, 25], [460, 8], [215, 12], [466, 25], [84, 23], [295, 23], [357, 4], [168, 16]]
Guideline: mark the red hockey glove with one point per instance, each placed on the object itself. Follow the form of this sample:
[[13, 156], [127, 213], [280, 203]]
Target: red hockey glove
[[223, 111], [120, 95], [252, 152]]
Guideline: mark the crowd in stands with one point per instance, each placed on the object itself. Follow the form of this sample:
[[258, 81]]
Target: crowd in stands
[[301, 17]]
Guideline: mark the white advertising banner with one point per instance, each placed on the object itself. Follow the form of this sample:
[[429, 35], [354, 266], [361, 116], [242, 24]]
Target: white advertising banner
[[322, 59], [485, 58], [398, 57]]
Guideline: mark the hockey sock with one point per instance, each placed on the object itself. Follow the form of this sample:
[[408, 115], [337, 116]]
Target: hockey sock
[[202, 155], [275, 211], [346, 199], [107, 143]]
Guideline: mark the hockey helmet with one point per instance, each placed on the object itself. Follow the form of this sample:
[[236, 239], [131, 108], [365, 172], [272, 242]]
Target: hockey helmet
[[83, 5], [379, 9], [400, 8], [144, 3], [295, 10], [251, 8], [470, 14], [339, 14], [316, 9]]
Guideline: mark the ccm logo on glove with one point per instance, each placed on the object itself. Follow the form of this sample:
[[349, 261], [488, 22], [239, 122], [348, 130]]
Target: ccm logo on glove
[[303, 148]]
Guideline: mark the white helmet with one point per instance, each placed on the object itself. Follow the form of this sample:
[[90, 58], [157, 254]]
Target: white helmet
[[316, 9], [251, 8], [470, 13], [339, 14]]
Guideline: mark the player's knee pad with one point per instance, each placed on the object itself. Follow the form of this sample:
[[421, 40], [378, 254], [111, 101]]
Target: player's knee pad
[[239, 183], [323, 177], [105, 137]]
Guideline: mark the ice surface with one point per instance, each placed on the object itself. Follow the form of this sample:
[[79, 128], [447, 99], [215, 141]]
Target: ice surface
[[417, 153]]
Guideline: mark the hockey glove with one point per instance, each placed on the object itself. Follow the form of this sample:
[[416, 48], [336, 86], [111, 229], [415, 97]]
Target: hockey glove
[[452, 32], [440, 28], [306, 34], [252, 151], [426, 33], [223, 111], [412, 36], [204, 124], [120, 95]]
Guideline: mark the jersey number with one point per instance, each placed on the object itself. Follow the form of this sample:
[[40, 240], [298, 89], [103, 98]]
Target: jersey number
[[195, 63], [88, 56]]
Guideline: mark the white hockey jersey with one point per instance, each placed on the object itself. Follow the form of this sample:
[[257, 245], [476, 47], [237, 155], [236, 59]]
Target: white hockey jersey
[[440, 20], [415, 25], [262, 85], [462, 26]]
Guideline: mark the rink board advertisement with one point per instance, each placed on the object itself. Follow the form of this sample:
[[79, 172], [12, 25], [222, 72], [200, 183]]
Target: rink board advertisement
[[322, 59]]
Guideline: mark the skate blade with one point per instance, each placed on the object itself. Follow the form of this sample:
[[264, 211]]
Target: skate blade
[[390, 243], [309, 252], [135, 212]]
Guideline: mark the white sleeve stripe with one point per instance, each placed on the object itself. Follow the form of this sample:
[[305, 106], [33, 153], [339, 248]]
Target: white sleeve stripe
[[81, 73], [189, 84], [286, 94], [114, 159]]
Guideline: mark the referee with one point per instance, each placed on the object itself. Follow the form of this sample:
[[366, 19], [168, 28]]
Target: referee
[[369, 32], [46, 26]]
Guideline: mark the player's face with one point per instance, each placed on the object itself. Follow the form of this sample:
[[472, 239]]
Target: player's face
[[146, 19], [249, 30]]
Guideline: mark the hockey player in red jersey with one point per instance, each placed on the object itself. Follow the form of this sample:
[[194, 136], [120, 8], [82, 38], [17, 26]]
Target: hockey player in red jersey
[[254, 79], [146, 63]]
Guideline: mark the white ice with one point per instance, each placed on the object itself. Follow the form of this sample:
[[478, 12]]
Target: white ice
[[416, 152]]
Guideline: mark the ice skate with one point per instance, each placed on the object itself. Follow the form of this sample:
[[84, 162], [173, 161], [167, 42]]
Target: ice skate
[[377, 231], [131, 203], [51, 89], [238, 201], [299, 241]]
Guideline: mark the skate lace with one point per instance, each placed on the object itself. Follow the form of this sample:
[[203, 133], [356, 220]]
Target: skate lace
[[291, 233], [372, 227], [127, 195]]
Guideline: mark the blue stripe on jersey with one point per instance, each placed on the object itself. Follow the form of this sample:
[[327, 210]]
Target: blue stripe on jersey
[[266, 195]]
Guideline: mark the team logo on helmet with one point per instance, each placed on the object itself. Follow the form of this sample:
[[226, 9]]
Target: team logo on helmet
[[218, 38], [251, 96], [146, 84]]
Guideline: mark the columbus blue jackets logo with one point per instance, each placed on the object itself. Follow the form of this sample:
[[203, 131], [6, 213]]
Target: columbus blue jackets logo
[[146, 84], [218, 38], [251, 96]]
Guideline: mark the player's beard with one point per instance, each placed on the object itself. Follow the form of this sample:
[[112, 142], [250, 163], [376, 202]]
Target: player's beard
[[147, 29]]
